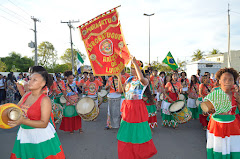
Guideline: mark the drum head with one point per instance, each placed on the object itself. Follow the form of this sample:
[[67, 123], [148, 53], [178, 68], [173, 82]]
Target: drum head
[[176, 106], [181, 97], [85, 105], [62, 99], [114, 95], [103, 93]]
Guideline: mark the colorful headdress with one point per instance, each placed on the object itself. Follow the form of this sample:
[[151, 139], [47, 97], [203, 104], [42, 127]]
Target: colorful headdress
[[220, 101], [140, 64]]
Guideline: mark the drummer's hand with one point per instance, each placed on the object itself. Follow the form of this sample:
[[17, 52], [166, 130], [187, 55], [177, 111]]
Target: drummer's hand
[[71, 102], [16, 123], [237, 96], [212, 111], [170, 100]]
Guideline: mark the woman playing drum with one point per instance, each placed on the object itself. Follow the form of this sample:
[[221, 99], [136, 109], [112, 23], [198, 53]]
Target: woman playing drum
[[172, 91], [204, 89], [36, 136], [71, 120], [134, 135], [224, 127], [193, 92]]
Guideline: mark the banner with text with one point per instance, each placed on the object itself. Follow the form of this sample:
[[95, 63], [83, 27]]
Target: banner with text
[[105, 44]]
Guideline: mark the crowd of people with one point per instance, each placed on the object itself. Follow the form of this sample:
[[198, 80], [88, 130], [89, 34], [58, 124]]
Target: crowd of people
[[144, 95]]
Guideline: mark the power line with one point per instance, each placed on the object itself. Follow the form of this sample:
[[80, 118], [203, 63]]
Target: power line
[[235, 12], [8, 19], [19, 8], [14, 16], [14, 13]]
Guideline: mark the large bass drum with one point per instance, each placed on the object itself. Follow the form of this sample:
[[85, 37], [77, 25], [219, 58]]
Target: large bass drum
[[87, 109], [180, 111]]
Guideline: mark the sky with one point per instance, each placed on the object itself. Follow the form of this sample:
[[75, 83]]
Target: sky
[[179, 26]]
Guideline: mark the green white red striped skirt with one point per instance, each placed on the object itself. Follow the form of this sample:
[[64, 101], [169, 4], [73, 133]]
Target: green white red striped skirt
[[134, 135], [223, 141], [37, 143]]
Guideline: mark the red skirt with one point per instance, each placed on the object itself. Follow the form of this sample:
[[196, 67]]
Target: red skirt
[[71, 123]]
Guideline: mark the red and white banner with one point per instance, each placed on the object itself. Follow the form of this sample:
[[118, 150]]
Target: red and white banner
[[105, 44]]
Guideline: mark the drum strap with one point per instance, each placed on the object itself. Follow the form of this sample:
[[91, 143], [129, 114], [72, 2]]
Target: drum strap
[[114, 84], [207, 88], [71, 88], [59, 87], [174, 89]]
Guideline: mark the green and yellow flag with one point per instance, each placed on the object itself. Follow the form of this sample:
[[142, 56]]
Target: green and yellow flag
[[169, 60]]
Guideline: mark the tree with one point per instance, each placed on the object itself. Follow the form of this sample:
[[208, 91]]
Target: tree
[[47, 55], [3, 66], [67, 57], [20, 63], [159, 66], [214, 52], [62, 67], [181, 64], [197, 55]]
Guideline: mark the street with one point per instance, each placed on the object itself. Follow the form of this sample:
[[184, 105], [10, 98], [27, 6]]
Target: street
[[186, 142]]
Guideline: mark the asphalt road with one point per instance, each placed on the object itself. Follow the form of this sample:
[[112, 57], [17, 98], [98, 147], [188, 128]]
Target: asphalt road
[[187, 142]]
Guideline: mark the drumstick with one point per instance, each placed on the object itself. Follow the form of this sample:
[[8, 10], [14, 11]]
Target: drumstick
[[121, 85]]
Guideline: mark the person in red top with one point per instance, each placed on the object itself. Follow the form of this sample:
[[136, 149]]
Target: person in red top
[[82, 81], [193, 92], [112, 84], [37, 137], [92, 87], [98, 78], [184, 82], [71, 120], [204, 89], [172, 91], [59, 88]]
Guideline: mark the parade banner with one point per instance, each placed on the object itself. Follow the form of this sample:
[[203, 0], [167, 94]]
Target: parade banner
[[105, 44]]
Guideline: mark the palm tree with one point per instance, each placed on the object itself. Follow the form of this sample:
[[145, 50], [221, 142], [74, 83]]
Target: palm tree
[[197, 55], [214, 52]]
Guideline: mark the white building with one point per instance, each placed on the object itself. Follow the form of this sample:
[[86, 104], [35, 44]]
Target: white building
[[215, 58], [203, 65], [223, 58]]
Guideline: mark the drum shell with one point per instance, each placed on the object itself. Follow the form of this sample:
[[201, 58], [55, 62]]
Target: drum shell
[[93, 114], [5, 113], [206, 106], [182, 115], [114, 103], [63, 100], [103, 94]]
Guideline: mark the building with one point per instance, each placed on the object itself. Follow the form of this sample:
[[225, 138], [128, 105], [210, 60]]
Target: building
[[203, 65], [234, 58], [215, 58], [223, 58]]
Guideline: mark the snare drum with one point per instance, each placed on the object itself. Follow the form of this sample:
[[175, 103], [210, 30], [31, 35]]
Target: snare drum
[[180, 112], [87, 109], [103, 94], [182, 97], [63, 100], [100, 100], [9, 112], [207, 106], [161, 97]]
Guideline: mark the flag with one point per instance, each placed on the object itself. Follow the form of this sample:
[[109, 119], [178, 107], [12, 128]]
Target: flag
[[79, 63], [105, 44], [169, 60]]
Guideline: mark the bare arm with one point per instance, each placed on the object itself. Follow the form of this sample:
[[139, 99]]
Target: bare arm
[[142, 79], [46, 109]]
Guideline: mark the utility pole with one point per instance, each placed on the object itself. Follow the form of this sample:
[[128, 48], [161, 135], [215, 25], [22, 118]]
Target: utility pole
[[149, 33], [229, 52], [69, 23], [35, 33]]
